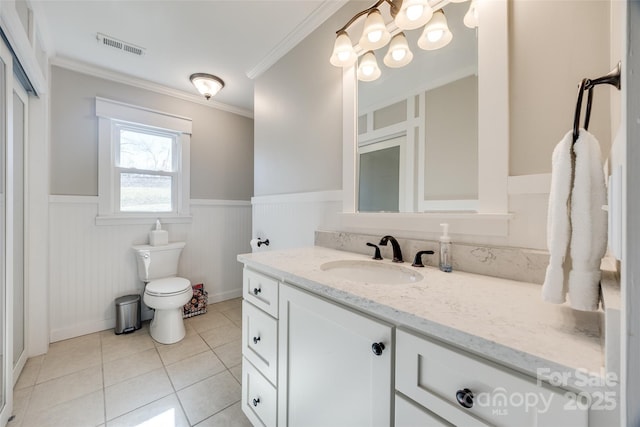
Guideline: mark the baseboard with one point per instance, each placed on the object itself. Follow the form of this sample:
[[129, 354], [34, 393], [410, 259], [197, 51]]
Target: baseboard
[[223, 296], [82, 329]]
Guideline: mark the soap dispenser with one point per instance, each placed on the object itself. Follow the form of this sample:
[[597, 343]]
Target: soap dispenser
[[158, 237], [445, 249]]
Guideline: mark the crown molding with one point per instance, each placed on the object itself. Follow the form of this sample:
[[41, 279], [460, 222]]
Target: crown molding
[[326, 9], [84, 68]]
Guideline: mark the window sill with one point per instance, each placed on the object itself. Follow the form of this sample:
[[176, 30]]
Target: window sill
[[143, 219]]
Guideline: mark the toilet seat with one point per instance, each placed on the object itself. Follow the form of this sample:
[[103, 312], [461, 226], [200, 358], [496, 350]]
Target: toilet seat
[[168, 286]]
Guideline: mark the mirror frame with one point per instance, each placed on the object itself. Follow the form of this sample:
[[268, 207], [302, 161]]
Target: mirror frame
[[492, 216]]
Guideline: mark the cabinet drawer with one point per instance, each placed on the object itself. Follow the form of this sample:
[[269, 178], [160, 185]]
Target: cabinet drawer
[[260, 340], [259, 402], [261, 290], [408, 414], [432, 375]]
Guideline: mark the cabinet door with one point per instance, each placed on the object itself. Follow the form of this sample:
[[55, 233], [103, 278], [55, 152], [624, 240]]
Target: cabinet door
[[328, 373]]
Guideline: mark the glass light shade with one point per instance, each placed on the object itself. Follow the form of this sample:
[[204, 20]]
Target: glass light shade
[[375, 34], [413, 14], [471, 17], [207, 84], [368, 69], [398, 54], [343, 53], [436, 33]]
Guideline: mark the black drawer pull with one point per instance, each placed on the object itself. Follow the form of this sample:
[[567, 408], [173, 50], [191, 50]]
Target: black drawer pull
[[256, 291], [465, 398], [256, 401], [256, 339]]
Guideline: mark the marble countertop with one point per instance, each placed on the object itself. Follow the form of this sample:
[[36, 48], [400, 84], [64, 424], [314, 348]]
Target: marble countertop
[[502, 320]]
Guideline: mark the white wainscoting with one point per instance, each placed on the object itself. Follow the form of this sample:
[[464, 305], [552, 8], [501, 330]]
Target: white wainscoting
[[90, 265], [291, 220]]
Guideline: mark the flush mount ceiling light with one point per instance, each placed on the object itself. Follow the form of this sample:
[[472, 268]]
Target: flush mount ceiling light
[[207, 84], [405, 15]]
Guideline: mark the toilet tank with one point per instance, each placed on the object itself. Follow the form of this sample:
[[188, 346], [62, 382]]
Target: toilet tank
[[157, 262]]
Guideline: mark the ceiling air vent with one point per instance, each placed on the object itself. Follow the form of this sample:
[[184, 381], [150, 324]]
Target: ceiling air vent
[[112, 42]]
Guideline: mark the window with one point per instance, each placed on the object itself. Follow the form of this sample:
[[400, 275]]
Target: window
[[145, 169], [143, 164]]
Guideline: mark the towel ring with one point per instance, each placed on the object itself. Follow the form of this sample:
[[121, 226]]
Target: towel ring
[[576, 117], [612, 78]]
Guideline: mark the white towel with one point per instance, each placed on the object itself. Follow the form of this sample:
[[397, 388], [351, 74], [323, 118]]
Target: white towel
[[588, 223], [558, 227]]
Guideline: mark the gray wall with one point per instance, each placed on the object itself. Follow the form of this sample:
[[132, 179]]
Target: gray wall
[[221, 144], [298, 104], [298, 116], [554, 45]]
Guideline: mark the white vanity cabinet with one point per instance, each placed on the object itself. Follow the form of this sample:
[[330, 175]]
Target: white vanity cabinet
[[259, 348], [465, 390], [334, 364]]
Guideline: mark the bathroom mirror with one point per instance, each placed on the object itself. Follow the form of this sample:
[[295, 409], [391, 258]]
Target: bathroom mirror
[[489, 214], [418, 127]]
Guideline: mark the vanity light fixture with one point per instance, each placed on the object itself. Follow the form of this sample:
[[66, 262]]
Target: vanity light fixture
[[368, 69], [398, 54], [375, 34], [207, 84], [406, 15], [471, 17], [436, 33]]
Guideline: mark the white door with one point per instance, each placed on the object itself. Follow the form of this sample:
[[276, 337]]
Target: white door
[[20, 110], [6, 231], [328, 370]]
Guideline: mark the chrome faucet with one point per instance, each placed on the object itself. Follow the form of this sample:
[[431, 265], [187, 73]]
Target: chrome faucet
[[397, 252]]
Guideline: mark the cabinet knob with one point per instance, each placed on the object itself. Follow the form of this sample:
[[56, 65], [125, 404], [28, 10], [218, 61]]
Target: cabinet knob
[[465, 398], [256, 291], [256, 401], [377, 348], [256, 339]]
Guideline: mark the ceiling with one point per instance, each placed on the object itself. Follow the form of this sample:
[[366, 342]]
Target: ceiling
[[233, 39]]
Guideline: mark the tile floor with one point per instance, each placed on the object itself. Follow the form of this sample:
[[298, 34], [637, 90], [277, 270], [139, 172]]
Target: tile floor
[[106, 380]]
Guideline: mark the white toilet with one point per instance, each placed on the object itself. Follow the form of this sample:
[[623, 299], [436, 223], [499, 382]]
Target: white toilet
[[163, 291]]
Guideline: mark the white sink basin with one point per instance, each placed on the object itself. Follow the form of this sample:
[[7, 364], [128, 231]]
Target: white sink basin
[[374, 272]]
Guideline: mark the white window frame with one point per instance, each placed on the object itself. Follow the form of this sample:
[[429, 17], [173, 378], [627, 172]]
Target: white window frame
[[113, 115]]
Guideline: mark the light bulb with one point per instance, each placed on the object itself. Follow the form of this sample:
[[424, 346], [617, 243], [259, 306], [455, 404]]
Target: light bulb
[[374, 36], [471, 17], [343, 54], [414, 12], [435, 35], [368, 69], [398, 54]]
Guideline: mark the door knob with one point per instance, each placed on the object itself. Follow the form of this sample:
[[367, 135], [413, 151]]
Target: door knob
[[377, 348]]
